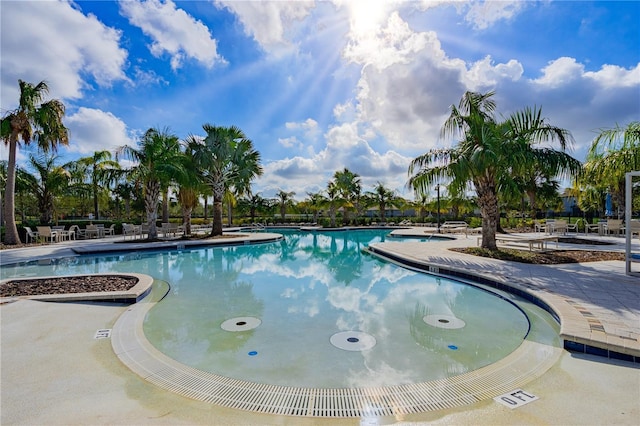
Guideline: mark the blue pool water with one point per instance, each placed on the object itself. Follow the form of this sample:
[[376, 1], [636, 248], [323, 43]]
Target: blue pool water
[[313, 310]]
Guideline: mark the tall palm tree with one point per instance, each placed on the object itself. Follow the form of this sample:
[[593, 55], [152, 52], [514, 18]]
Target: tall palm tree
[[190, 187], [35, 120], [489, 154], [333, 201], [612, 154], [224, 158], [350, 188], [103, 171], [284, 200], [157, 161]]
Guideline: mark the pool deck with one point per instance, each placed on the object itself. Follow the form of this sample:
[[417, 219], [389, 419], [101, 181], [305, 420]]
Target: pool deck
[[53, 370]]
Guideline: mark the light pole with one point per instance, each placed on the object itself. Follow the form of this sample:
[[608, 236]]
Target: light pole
[[438, 206]]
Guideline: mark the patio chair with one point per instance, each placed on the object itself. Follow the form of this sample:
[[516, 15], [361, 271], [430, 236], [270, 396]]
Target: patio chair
[[614, 226], [539, 226], [75, 232], [598, 227], [47, 234], [559, 226], [633, 227], [32, 236], [130, 230], [110, 230], [92, 231]]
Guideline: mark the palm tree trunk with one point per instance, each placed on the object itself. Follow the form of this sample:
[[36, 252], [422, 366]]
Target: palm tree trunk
[[151, 196], [186, 220], [11, 235], [95, 201], [488, 202], [165, 206], [217, 218], [218, 195]]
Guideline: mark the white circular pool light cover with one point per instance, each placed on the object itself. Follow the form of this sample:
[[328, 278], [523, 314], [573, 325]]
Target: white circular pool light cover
[[444, 321], [241, 324], [353, 341]]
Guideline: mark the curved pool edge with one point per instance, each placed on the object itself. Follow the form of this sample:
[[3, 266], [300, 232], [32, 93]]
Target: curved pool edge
[[576, 327], [529, 361]]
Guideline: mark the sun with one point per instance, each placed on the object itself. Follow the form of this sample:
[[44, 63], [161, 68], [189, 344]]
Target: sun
[[366, 16]]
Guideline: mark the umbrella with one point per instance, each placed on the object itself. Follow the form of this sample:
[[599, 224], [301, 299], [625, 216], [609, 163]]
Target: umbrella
[[608, 207]]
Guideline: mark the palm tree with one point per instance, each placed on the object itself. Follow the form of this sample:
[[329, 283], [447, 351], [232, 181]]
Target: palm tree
[[47, 184], [350, 188], [224, 158], [32, 120], [255, 203], [612, 154], [382, 196], [333, 201], [315, 201], [158, 160], [190, 187], [489, 154], [103, 171], [284, 200], [125, 191]]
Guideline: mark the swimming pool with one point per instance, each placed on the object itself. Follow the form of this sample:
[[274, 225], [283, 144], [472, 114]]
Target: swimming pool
[[288, 312]]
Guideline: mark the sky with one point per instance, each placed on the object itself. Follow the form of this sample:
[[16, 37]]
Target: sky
[[319, 85]]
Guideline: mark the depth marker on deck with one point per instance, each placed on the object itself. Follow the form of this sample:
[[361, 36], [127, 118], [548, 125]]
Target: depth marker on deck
[[515, 399], [103, 333]]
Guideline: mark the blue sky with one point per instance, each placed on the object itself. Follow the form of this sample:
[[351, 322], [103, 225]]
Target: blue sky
[[319, 86]]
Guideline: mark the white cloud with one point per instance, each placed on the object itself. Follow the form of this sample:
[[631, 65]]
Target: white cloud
[[65, 47], [578, 100], [560, 72], [611, 76], [172, 31], [269, 22], [344, 148], [309, 127], [396, 43], [483, 14], [95, 130], [291, 142], [484, 73]]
